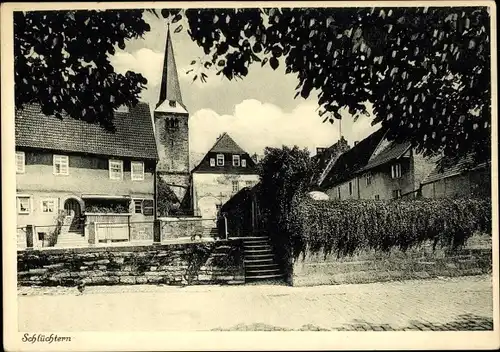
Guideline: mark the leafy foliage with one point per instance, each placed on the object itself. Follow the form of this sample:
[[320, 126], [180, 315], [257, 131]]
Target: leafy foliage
[[344, 227], [107, 206], [167, 200], [426, 70], [284, 178], [61, 62]]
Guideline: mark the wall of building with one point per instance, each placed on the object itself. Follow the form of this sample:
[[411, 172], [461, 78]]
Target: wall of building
[[422, 167], [212, 189], [87, 175], [172, 144], [173, 264], [382, 184], [370, 266], [475, 183]]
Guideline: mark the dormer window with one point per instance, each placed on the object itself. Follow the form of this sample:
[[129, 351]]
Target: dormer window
[[243, 163], [220, 159], [172, 103], [212, 162], [236, 160]]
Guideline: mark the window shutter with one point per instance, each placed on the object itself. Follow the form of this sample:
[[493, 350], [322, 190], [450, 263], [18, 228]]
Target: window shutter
[[148, 207]]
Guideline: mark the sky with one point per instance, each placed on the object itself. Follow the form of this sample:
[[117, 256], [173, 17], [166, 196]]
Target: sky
[[258, 111]]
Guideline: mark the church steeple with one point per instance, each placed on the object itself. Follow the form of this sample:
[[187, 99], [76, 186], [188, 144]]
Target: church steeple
[[170, 99]]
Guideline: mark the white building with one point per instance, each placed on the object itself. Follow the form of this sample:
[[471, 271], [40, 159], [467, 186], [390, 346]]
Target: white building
[[224, 170]]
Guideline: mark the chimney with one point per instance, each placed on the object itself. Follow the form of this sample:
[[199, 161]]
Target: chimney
[[320, 150], [356, 142]]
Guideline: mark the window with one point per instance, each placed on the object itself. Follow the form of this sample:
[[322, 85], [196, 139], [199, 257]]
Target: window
[[116, 169], [338, 189], [212, 161], [171, 103], [396, 171], [235, 186], [137, 170], [218, 207], [396, 193], [249, 183], [61, 165], [49, 206], [138, 206], [173, 124], [23, 205], [236, 160], [20, 162], [148, 207], [350, 188], [368, 179], [377, 197], [243, 163], [220, 159]]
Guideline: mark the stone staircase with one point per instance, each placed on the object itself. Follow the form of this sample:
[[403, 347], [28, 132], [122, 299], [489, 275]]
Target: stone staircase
[[68, 238], [260, 262], [71, 240]]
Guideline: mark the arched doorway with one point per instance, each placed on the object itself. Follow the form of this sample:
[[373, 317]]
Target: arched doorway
[[73, 208]]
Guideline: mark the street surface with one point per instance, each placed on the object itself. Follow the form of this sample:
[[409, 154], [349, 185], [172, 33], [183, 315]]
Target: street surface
[[463, 303]]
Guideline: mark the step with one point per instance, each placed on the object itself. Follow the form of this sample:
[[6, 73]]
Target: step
[[266, 245], [257, 251], [269, 276], [262, 272], [261, 265], [259, 261]]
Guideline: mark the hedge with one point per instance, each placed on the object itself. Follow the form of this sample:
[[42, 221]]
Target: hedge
[[344, 227]]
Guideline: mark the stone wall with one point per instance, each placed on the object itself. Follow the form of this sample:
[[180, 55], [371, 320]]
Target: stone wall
[[369, 266], [199, 263]]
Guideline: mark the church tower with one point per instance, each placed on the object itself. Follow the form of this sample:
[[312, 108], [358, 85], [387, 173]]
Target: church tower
[[171, 128]]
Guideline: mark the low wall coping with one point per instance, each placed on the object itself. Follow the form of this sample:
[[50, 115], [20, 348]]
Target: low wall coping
[[109, 214], [131, 248]]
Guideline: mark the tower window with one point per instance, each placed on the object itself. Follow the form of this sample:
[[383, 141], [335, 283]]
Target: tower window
[[172, 124], [172, 103]]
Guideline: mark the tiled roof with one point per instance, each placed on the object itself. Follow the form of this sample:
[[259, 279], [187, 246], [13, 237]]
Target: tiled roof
[[391, 152], [133, 138], [465, 164], [353, 160], [225, 144]]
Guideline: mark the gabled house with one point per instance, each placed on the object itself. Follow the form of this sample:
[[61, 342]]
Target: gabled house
[[223, 171], [465, 177], [376, 168], [71, 165]]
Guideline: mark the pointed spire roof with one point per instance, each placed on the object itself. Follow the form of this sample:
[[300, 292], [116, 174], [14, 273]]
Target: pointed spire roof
[[170, 90], [225, 144]]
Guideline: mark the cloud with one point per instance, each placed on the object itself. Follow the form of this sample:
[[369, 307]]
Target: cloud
[[145, 61], [255, 125]]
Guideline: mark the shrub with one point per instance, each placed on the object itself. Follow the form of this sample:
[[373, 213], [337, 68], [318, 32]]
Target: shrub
[[344, 227]]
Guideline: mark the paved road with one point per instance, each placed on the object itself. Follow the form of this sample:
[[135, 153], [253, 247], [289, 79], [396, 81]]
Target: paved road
[[439, 304]]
